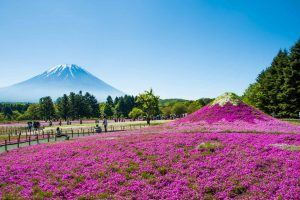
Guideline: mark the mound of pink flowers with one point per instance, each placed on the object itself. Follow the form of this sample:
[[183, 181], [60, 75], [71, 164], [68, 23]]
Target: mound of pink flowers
[[155, 166], [228, 113]]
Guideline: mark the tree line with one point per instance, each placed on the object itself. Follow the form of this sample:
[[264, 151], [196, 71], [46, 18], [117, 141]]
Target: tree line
[[276, 90], [74, 106], [172, 108]]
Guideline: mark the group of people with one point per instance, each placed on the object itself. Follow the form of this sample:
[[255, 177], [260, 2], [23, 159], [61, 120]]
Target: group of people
[[33, 125], [98, 128]]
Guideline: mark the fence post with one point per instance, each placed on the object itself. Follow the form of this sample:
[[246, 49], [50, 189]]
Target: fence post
[[37, 138], [19, 139], [29, 140], [5, 145], [48, 137], [72, 132], [9, 137]]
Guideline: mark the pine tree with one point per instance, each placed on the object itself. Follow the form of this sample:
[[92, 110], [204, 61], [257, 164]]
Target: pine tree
[[63, 107], [46, 107], [291, 84], [277, 89]]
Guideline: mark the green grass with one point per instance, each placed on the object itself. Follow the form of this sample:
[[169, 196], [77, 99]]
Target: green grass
[[294, 122], [210, 145]]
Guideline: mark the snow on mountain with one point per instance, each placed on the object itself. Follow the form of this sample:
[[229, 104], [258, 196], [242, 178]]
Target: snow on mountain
[[58, 80]]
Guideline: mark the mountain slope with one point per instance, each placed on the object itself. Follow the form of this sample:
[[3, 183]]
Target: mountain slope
[[57, 81]]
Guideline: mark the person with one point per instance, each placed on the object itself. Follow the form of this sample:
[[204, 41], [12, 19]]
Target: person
[[36, 125], [29, 124], [59, 133], [98, 129], [105, 124], [60, 122]]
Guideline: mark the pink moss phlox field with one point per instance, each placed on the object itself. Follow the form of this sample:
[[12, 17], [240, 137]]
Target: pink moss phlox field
[[215, 153], [155, 166], [234, 118]]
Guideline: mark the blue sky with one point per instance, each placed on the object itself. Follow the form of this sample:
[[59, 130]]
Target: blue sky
[[184, 49]]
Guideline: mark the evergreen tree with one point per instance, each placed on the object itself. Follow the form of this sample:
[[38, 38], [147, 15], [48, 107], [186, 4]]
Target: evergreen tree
[[73, 106], [277, 89], [291, 86], [63, 107], [109, 101], [108, 111], [93, 104], [46, 107]]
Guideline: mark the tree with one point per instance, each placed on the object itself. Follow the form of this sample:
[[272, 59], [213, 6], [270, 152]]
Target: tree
[[120, 108], [136, 113], [291, 85], [179, 109], [7, 112], [32, 112], [252, 95], [94, 105], [73, 106], [194, 106], [108, 110], [277, 88], [166, 111], [63, 107], [109, 101], [47, 110], [149, 104], [2, 117]]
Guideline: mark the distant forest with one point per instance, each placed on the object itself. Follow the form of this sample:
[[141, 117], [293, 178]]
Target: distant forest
[[85, 106]]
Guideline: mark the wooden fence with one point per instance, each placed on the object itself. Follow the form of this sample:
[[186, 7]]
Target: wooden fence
[[19, 137]]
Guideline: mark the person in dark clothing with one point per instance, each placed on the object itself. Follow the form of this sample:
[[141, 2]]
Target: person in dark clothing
[[98, 129], [59, 134], [29, 124], [105, 124]]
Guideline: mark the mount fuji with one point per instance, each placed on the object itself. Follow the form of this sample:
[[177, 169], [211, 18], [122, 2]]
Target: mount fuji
[[59, 80]]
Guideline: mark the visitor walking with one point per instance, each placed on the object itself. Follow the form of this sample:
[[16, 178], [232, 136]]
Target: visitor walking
[[105, 124]]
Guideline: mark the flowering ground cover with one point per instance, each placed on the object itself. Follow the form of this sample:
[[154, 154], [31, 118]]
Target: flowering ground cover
[[229, 114], [198, 157], [155, 166]]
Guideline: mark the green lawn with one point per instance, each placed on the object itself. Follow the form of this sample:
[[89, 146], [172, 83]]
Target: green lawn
[[295, 122]]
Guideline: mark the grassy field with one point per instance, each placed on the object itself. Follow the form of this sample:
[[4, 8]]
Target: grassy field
[[118, 124], [294, 122]]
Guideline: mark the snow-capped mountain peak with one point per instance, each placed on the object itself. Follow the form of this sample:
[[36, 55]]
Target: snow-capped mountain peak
[[65, 71], [58, 80]]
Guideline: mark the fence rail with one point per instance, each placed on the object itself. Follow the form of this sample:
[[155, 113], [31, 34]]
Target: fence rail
[[26, 138]]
